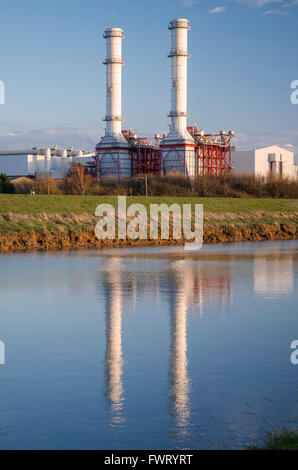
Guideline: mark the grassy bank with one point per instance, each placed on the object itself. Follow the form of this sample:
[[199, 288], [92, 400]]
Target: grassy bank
[[37, 204], [55, 222], [285, 440]]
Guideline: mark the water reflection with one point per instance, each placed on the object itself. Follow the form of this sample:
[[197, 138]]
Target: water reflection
[[190, 285], [187, 287], [179, 390], [185, 338], [274, 275], [114, 360]]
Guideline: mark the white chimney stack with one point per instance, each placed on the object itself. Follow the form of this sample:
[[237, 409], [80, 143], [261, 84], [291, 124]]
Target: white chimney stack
[[112, 151], [114, 64], [178, 147], [179, 54]]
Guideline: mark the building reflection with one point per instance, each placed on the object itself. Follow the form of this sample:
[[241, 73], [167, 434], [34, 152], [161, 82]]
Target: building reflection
[[274, 274], [191, 286], [114, 359]]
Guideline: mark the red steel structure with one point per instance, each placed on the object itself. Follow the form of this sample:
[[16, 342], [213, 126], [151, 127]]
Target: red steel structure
[[213, 156], [145, 160], [214, 152]]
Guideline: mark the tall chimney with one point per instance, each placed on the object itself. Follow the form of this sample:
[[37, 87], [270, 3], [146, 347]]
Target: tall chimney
[[112, 152], [178, 147], [114, 64], [179, 30]]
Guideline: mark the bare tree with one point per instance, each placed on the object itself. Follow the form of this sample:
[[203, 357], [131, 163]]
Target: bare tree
[[46, 184], [78, 182]]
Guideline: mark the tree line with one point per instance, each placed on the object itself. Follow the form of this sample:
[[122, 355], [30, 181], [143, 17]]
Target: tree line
[[78, 182]]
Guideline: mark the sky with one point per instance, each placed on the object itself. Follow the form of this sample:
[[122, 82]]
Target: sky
[[244, 57]]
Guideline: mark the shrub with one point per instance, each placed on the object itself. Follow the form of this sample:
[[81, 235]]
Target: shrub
[[245, 185], [46, 184], [77, 182], [6, 186]]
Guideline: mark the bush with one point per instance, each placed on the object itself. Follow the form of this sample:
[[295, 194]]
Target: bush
[[6, 186], [46, 184], [78, 182], [202, 186], [281, 188], [23, 185], [244, 186]]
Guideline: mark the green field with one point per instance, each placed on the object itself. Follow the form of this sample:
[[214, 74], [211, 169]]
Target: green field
[[38, 204], [35, 213]]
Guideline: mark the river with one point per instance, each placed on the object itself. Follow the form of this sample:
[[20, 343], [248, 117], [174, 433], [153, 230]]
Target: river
[[148, 348]]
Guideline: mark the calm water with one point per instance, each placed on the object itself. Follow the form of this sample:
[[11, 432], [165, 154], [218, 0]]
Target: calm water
[[148, 348]]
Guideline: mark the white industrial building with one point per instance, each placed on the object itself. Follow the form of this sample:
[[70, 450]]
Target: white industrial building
[[37, 161], [265, 161]]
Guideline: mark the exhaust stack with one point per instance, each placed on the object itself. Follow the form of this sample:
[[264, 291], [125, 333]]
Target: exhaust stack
[[178, 147], [114, 65], [179, 30], [112, 152]]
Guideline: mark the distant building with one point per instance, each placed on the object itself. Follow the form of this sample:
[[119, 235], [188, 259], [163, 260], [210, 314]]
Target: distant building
[[37, 161], [265, 161]]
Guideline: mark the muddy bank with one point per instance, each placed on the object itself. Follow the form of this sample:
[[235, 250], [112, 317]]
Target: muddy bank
[[62, 238]]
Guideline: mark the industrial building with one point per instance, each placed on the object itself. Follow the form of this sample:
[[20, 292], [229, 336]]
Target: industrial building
[[265, 162], [186, 149], [37, 161]]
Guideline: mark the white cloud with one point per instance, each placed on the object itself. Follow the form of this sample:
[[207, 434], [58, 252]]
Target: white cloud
[[259, 3], [14, 136], [287, 139], [189, 3], [276, 12], [217, 10], [283, 10]]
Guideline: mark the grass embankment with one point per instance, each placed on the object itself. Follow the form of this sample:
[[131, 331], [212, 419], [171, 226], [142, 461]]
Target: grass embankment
[[285, 440], [54, 222]]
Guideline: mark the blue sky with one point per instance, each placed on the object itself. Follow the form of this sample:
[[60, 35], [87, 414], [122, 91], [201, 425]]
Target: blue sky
[[244, 56]]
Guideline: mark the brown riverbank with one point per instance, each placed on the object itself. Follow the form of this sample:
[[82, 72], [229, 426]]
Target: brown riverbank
[[60, 238]]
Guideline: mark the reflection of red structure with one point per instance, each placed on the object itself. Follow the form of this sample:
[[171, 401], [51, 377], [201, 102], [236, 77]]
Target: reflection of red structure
[[213, 156]]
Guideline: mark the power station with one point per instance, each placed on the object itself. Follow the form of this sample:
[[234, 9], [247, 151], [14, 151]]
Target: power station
[[184, 150]]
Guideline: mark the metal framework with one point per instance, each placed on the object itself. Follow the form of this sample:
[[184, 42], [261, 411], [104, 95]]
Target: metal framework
[[176, 158], [145, 160], [213, 156], [108, 162], [91, 168]]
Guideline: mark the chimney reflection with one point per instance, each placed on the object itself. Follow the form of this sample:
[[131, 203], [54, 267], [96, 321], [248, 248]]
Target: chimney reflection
[[178, 370], [114, 361]]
